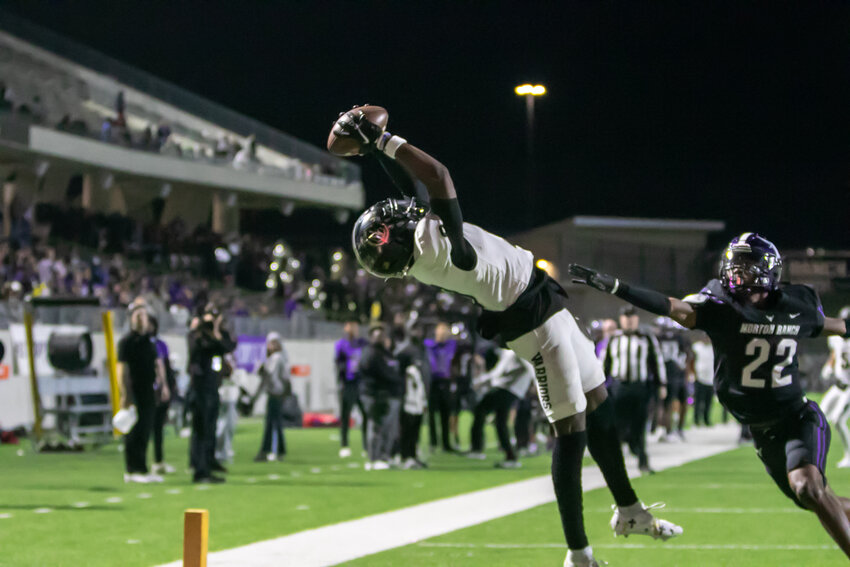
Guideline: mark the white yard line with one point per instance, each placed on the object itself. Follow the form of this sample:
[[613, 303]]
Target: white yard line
[[666, 546], [356, 538]]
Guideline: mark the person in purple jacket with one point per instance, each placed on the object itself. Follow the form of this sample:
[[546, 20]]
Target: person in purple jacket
[[347, 358], [441, 352]]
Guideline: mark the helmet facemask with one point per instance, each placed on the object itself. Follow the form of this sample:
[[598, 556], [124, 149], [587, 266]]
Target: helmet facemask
[[751, 264], [383, 237]]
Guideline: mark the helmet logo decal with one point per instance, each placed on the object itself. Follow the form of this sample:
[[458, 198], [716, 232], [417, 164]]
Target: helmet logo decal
[[379, 236]]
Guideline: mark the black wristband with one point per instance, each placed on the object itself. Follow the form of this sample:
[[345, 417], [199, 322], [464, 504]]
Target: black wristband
[[652, 301]]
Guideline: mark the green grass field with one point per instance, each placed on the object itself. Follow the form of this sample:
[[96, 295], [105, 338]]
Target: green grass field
[[75, 510]]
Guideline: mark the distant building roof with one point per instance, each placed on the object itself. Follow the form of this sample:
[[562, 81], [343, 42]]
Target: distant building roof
[[642, 223]]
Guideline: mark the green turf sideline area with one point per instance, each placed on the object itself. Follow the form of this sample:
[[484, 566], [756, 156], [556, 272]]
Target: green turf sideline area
[[731, 511], [390, 530], [74, 509]]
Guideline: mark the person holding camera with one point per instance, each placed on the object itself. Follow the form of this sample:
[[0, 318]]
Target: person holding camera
[[209, 342], [139, 381]]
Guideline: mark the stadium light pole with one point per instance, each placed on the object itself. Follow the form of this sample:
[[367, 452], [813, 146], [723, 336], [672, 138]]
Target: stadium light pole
[[530, 92]]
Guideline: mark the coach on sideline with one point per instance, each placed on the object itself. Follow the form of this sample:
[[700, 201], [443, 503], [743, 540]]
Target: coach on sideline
[[137, 375]]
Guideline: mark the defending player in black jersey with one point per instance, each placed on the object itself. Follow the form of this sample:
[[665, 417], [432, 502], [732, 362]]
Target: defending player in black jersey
[[755, 325], [523, 307]]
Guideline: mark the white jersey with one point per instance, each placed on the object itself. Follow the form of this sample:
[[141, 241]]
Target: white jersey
[[511, 373], [703, 362], [415, 398], [502, 271], [840, 350]]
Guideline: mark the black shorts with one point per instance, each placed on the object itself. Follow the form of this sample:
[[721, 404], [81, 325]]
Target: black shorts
[[677, 389], [801, 439]]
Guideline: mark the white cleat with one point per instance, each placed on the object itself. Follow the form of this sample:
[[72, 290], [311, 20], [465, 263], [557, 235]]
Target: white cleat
[[642, 522], [380, 466], [138, 478], [162, 468], [578, 559], [844, 463], [344, 453]]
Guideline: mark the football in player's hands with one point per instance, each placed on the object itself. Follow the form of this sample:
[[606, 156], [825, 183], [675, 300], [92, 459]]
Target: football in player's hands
[[355, 132]]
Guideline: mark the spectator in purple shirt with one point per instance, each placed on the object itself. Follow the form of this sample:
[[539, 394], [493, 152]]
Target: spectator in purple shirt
[[347, 358], [166, 383], [441, 352]]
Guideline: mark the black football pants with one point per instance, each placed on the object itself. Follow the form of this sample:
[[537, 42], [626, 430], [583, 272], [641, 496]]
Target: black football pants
[[703, 396], [631, 403], [349, 396], [500, 402], [202, 446], [440, 400], [136, 441]]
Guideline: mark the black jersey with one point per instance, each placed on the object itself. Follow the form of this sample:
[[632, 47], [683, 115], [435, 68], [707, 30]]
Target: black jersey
[[755, 349], [675, 350]]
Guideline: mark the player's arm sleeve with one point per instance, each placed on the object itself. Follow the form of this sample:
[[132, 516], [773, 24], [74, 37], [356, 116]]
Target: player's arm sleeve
[[650, 300], [402, 179], [441, 193], [463, 255]]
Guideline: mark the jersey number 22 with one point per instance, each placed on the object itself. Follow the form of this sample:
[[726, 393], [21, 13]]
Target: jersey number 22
[[761, 349]]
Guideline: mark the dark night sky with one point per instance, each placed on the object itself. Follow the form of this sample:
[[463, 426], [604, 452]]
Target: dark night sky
[[734, 111]]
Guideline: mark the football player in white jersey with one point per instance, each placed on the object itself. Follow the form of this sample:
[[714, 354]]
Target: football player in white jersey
[[524, 309], [836, 401]]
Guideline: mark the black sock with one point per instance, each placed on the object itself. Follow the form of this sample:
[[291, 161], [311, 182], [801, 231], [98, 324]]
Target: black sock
[[566, 476], [604, 445]]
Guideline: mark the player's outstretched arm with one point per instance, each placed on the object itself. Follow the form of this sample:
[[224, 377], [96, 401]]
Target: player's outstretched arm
[[652, 301], [374, 139]]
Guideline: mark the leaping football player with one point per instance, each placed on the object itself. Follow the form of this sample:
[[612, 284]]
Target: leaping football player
[[755, 324], [523, 308], [836, 402]]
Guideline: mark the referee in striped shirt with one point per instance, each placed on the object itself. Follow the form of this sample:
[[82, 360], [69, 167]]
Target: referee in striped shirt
[[633, 360]]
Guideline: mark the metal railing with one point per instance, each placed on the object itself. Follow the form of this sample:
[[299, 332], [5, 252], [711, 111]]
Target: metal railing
[[301, 325], [178, 97]]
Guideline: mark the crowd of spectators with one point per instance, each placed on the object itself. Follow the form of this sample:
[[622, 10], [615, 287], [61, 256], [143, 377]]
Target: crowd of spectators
[[156, 136], [70, 252]]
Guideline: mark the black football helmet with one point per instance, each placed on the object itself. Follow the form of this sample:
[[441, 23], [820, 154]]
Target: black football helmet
[[750, 263], [383, 236]]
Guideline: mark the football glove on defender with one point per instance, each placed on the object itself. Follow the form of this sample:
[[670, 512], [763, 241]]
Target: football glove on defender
[[354, 124], [589, 276]]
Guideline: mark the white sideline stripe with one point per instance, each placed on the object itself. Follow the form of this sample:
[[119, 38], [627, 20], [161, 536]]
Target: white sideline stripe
[[666, 546], [356, 538]]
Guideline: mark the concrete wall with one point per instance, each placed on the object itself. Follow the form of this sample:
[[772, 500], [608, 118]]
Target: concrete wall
[[314, 378]]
